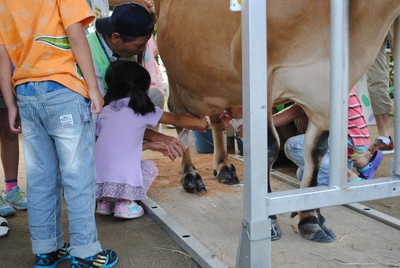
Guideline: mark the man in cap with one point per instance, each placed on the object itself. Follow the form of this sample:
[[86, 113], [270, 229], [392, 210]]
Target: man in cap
[[124, 35]]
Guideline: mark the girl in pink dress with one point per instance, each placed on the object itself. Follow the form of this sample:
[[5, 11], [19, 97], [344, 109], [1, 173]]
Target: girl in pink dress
[[122, 176]]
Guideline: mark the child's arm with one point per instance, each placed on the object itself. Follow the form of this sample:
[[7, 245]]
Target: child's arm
[[7, 90], [184, 121], [81, 50]]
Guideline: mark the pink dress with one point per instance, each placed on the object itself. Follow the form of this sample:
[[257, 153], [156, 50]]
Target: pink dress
[[121, 174]]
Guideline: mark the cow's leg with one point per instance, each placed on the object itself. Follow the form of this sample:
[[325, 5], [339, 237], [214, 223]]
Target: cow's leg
[[190, 178], [273, 152], [224, 170], [312, 224]]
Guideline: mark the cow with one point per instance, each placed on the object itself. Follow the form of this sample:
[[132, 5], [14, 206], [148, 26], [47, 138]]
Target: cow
[[200, 45]]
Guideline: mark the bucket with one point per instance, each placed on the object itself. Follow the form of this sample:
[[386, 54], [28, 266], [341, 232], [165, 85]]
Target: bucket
[[204, 142]]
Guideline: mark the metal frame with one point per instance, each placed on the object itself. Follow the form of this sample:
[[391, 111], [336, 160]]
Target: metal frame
[[254, 248]]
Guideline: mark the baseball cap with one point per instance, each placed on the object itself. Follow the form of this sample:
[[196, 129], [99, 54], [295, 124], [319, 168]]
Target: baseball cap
[[128, 19]]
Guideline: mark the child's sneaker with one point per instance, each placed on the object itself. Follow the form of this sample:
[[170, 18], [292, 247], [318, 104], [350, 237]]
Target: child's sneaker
[[105, 208], [50, 260], [3, 227], [105, 258], [128, 210], [16, 198], [5, 208]]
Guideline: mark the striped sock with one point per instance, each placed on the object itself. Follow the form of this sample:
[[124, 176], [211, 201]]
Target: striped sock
[[10, 183]]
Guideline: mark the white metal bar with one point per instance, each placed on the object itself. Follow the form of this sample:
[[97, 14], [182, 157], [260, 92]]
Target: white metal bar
[[323, 196], [374, 214], [396, 57], [379, 216], [254, 248], [200, 253], [339, 93]]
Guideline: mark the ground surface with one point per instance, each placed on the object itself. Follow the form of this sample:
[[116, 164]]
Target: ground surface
[[141, 243]]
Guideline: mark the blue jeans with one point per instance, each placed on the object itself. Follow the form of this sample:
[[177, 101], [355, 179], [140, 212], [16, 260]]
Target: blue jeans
[[294, 152], [58, 142]]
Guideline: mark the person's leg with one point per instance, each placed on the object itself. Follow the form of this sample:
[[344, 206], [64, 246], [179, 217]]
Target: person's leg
[[382, 123], [9, 147], [43, 186], [378, 89], [72, 129], [10, 160], [9, 171], [294, 150]]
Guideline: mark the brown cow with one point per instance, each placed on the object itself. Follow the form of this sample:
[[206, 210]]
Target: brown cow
[[200, 44]]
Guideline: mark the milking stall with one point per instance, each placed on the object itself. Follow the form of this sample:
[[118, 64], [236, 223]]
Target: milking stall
[[211, 245], [229, 225]]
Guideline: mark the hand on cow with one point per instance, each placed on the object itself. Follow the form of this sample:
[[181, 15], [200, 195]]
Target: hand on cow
[[235, 112], [202, 125], [224, 121]]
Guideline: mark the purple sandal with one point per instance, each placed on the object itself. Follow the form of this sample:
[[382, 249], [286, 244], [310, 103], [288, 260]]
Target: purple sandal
[[368, 171]]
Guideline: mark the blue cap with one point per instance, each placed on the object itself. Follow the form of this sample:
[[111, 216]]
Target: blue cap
[[128, 19]]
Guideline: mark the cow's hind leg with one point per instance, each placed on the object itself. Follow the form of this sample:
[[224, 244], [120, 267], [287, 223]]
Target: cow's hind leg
[[273, 152], [312, 225], [224, 170]]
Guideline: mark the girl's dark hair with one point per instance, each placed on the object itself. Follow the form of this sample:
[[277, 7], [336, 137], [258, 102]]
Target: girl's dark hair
[[129, 79]]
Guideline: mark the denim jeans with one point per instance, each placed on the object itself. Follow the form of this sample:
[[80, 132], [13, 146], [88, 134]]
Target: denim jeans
[[58, 142], [294, 152]]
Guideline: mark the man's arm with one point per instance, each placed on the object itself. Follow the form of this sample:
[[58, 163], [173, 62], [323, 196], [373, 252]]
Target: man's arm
[[7, 90], [176, 148], [287, 115]]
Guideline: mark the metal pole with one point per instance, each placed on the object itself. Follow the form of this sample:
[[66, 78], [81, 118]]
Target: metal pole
[[255, 244], [396, 57], [339, 84]]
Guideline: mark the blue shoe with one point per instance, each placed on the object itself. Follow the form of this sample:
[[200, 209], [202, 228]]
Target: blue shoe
[[5, 208], [50, 260], [16, 198], [105, 259], [368, 171]]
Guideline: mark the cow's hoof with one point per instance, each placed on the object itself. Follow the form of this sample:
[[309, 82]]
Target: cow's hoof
[[193, 184], [276, 233], [200, 187], [311, 230], [324, 226], [228, 175]]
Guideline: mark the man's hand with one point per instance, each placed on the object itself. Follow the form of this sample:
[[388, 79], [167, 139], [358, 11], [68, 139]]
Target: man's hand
[[176, 147], [158, 147]]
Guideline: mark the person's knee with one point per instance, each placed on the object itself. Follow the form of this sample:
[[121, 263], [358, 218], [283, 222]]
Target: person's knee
[[293, 146]]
